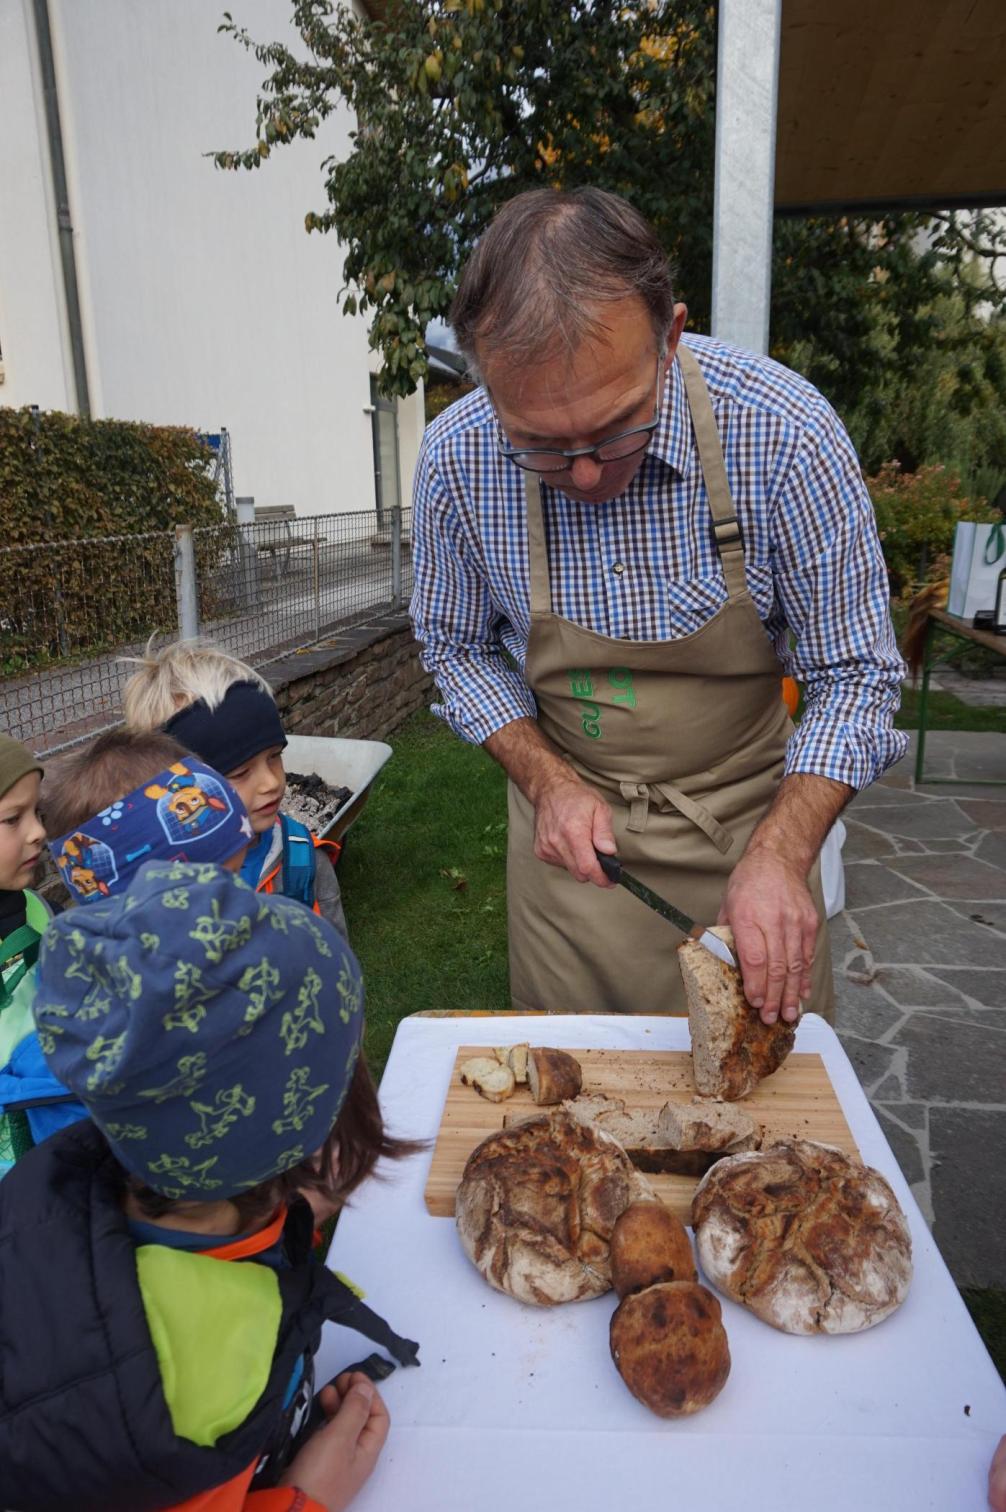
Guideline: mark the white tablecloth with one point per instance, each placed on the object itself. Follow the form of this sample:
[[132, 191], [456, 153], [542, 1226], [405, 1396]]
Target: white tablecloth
[[521, 1407]]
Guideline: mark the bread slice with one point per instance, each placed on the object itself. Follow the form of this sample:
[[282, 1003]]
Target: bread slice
[[488, 1077], [517, 1061], [705, 1125], [732, 1050]]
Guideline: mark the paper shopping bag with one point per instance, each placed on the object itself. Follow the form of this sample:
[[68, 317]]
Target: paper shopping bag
[[979, 557]]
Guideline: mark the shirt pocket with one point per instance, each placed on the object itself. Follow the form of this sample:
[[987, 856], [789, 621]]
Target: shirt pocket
[[692, 602]]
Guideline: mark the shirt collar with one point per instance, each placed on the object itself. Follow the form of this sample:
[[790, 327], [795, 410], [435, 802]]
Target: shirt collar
[[672, 440]]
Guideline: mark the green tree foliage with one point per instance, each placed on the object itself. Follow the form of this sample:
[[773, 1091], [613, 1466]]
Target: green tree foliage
[[917, 514], [902, 325], [464, 103]]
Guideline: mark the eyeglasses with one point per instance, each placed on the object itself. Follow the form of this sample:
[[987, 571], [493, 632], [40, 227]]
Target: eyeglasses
[[612, 449]]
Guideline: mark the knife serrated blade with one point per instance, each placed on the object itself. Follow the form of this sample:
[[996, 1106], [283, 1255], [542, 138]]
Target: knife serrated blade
[[615, 872]]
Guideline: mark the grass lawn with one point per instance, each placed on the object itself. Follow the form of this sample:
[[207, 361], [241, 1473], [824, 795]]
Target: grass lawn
[[424, 882], [948, 713]]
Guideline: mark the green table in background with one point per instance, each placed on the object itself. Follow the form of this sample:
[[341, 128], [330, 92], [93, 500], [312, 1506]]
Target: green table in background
[[940, 620]]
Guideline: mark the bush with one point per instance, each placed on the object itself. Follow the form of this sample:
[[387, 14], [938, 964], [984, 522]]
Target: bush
[[916, 517], [66, 479], [439, 395]]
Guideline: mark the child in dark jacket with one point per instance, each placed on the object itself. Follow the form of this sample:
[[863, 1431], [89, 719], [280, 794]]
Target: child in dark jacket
[[160, 1306], [224, 710]]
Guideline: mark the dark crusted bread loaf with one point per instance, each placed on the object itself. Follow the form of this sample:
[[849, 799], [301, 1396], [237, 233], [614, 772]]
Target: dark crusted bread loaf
[[670, 1347], [807, 1238], [536, 1206], [732, 1050], [649, 1244]]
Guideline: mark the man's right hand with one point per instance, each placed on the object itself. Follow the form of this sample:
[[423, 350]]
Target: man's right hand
[[571, 819]]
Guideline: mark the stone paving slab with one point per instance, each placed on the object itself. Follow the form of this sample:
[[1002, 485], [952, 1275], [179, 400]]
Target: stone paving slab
[[920, 975], [968, 1184]]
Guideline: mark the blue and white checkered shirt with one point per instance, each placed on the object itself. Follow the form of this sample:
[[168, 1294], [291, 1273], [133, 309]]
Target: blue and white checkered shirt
[[814, 565]]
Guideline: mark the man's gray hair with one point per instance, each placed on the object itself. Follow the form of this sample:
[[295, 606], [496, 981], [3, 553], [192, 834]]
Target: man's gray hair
[[548, 259]]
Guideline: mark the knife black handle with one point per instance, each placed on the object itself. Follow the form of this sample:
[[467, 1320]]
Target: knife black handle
[[610, 865]]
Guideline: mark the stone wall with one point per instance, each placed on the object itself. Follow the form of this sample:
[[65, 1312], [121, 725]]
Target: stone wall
[[362, 683]]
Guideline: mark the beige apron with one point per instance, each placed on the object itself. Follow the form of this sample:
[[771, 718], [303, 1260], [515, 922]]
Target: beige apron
[[685, 740]]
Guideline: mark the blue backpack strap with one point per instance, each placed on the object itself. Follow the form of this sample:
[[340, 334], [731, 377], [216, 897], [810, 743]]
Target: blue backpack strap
[[298, 860]]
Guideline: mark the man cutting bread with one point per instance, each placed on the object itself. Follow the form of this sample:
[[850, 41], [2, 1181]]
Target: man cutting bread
[[623, 540]]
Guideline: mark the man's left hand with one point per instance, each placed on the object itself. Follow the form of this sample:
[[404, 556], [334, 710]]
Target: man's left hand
[[771, 912]]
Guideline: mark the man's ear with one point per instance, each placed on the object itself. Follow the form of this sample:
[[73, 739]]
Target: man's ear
[[677, 326]]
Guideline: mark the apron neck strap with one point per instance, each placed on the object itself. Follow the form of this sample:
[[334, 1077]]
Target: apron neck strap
[[726, 530], [541, 586]]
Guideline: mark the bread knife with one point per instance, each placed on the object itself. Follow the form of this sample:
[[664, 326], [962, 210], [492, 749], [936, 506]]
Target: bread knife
[[615, 872]]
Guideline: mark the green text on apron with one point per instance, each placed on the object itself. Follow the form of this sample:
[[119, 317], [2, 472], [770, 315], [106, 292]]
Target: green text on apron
[[685, 740]]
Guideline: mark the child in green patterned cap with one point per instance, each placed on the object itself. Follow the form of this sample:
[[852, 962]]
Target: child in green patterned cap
[[23, 914], [214, 1037]]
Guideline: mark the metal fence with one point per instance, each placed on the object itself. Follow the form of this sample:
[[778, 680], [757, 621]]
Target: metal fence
[[73, 612]]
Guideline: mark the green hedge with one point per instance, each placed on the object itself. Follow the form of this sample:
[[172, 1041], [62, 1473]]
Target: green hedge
[[70, 480], [63, 477]]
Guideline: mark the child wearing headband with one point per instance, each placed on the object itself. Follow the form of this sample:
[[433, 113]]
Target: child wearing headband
[[108, 807], [225, 712]]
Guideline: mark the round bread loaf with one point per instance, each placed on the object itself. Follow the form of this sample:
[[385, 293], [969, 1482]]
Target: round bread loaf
[[537, 1204], [649, 1244], [670, 1347], [810, 1240]]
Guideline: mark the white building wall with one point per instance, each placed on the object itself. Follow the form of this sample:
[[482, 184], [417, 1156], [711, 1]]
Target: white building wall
[[34, 340], [205, 302]]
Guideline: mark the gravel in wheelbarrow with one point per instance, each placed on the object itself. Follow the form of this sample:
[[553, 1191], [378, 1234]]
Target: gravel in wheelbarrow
[[312, 800]]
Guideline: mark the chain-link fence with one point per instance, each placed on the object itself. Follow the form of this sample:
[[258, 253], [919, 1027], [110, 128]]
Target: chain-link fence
[[71, 611]]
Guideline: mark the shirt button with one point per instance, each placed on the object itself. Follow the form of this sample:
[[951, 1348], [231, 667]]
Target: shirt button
[[618, 567]]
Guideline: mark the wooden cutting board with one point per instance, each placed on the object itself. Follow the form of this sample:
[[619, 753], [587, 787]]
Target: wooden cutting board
[[798, 1100]]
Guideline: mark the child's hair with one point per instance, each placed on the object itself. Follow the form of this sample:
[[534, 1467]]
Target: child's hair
[[88, 780], [168, 680], [352, 1149]]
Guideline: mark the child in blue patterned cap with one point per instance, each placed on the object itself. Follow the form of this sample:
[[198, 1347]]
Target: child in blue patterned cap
[[107, 809], [214, 1038]]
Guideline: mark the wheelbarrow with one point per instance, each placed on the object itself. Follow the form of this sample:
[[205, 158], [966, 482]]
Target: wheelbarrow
[[341, 762]]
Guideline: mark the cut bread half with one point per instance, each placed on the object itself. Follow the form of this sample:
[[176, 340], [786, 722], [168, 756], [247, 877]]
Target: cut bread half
[[552, 1075], [678, 1140], [732, 1050]]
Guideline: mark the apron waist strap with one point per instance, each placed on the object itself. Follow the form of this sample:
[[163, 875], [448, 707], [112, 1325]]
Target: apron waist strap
[[639, 796]]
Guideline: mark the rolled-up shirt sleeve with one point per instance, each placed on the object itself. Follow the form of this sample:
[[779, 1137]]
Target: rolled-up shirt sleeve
[[834, 595], [455, 620]]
